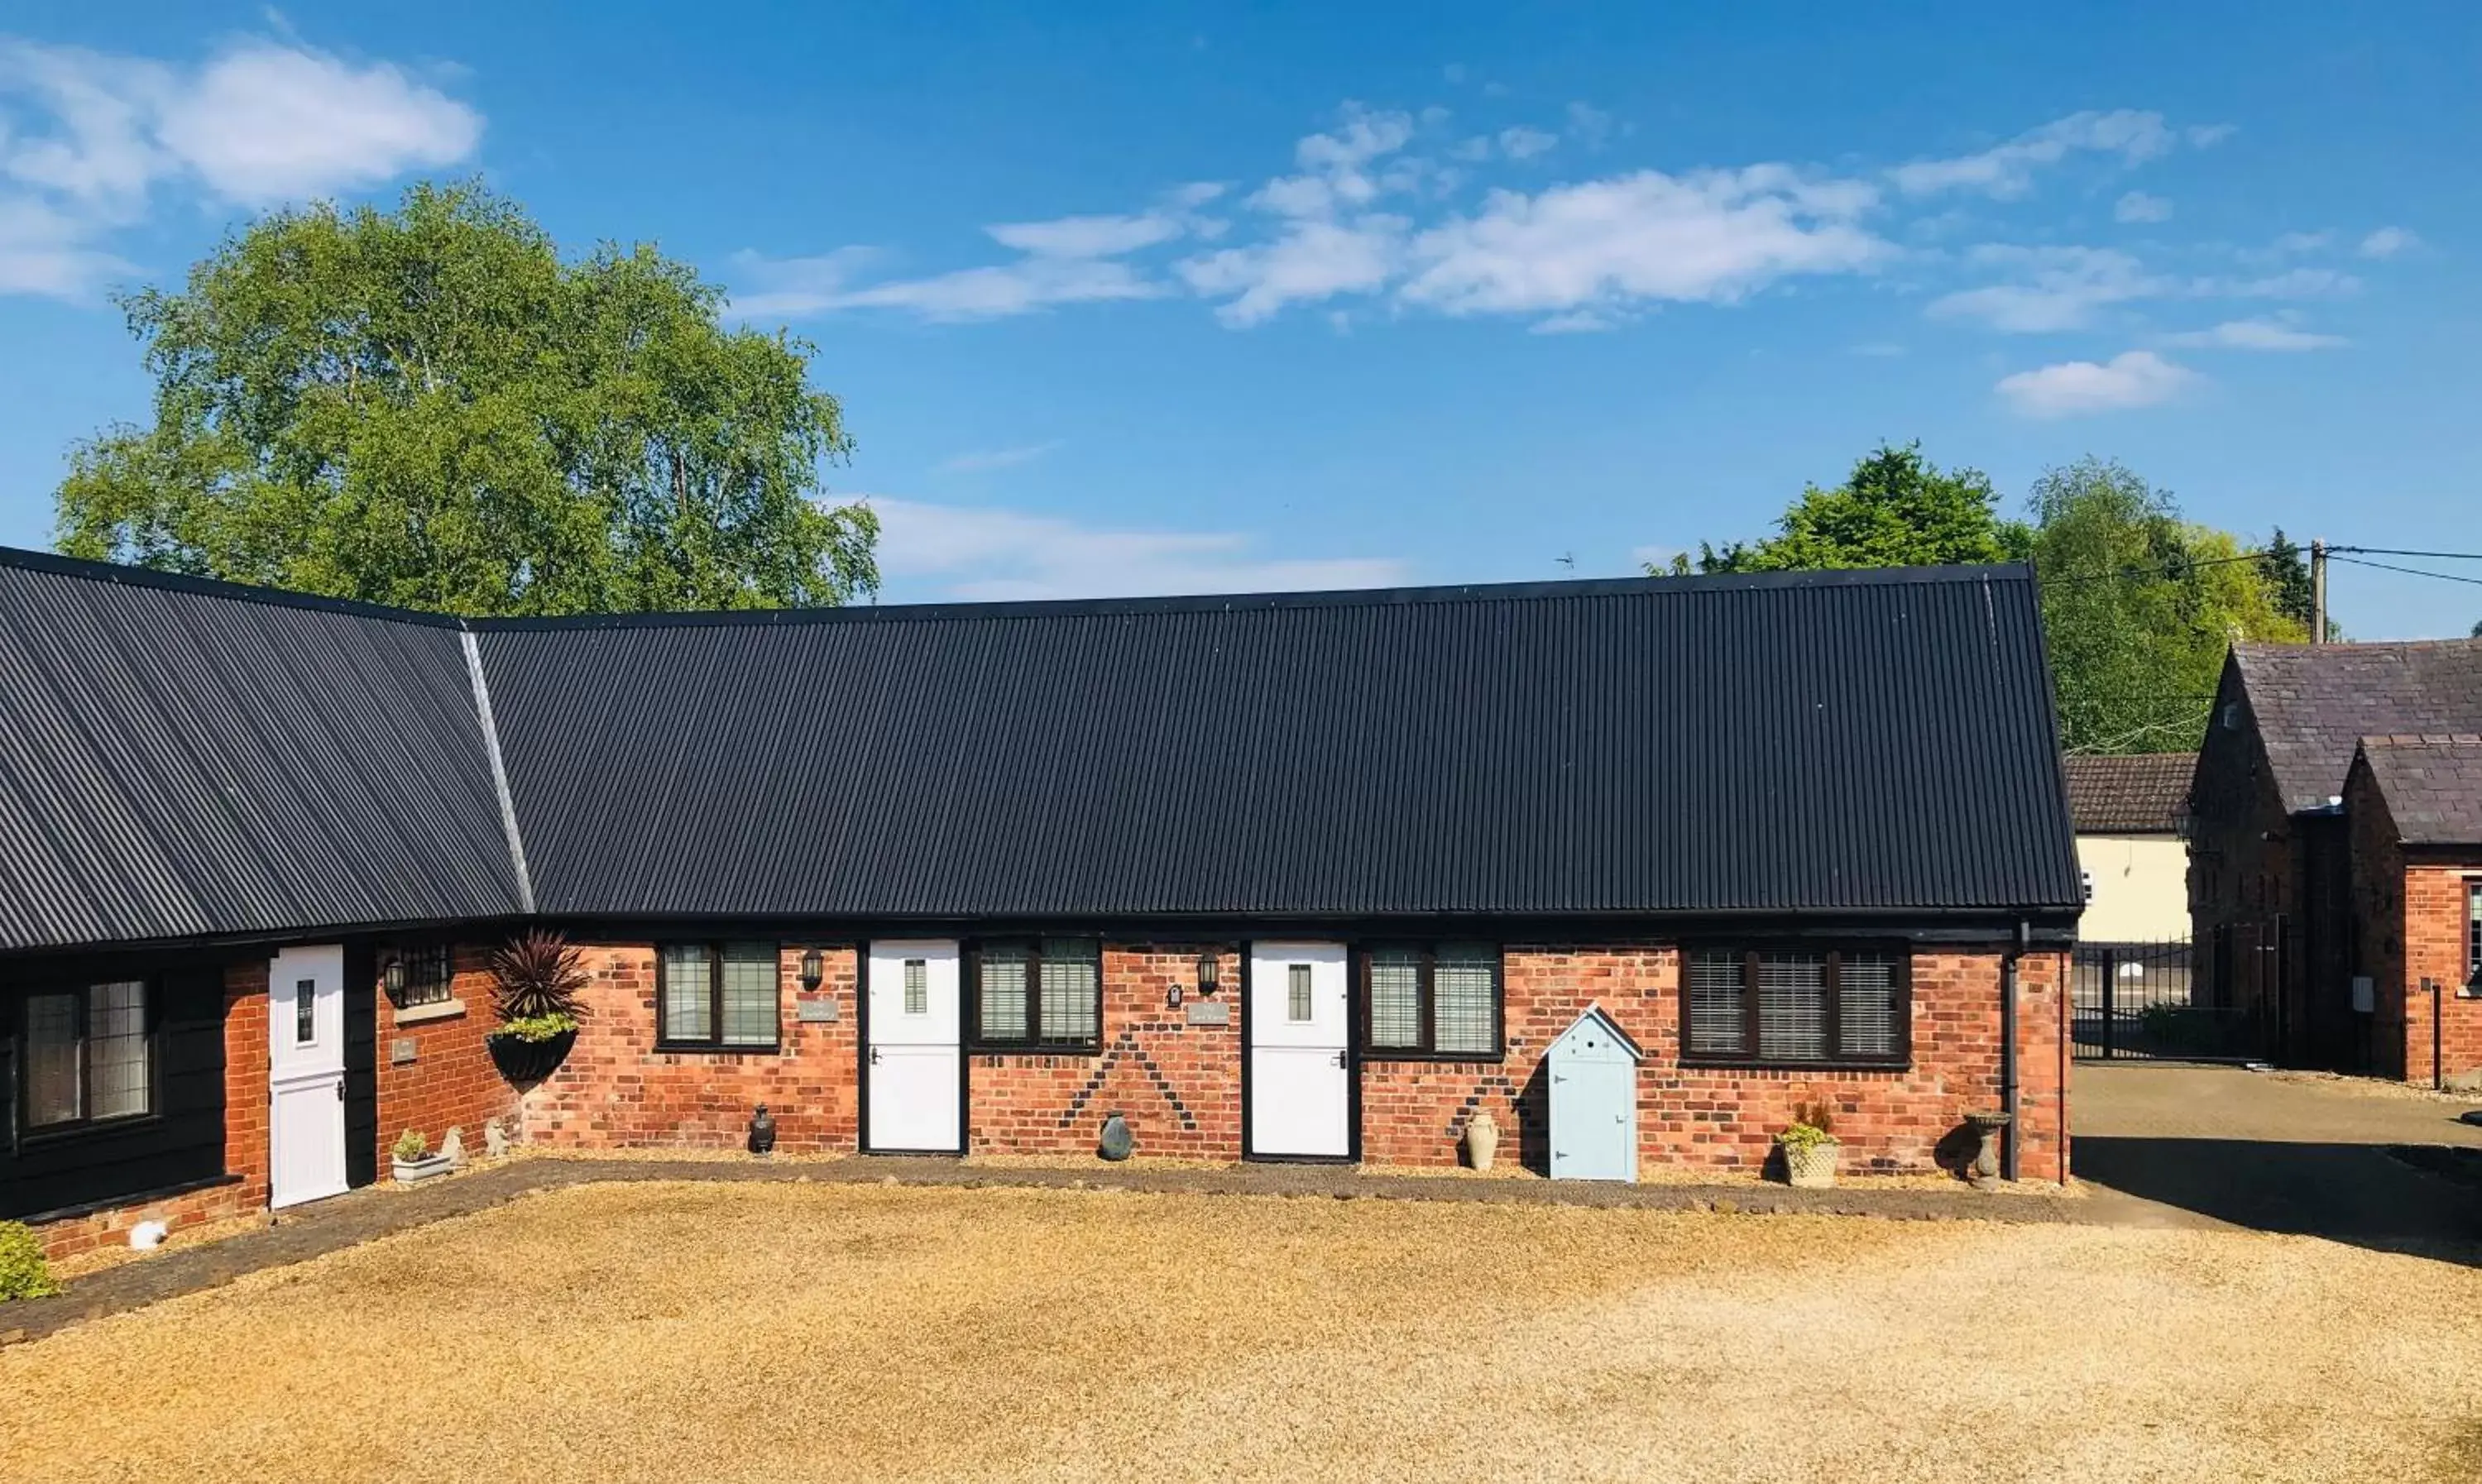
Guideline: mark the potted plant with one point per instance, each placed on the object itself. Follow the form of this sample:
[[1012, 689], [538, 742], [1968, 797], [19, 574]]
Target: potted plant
[[1810, 1147], [535, 979], [414, 1159], [23, 1272]]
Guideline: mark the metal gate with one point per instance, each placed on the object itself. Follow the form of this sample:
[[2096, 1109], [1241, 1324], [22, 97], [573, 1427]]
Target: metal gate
[[2142, 1002]]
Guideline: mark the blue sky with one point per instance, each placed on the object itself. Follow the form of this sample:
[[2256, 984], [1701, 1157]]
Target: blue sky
[[1162, 296]]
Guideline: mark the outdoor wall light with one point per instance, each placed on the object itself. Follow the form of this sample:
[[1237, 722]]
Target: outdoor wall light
[[393, 976], [1210, 966], [813, 969]]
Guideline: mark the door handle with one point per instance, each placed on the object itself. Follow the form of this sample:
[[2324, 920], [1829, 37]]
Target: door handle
[[340, 1089], [874, 1056], [1339, 1058]]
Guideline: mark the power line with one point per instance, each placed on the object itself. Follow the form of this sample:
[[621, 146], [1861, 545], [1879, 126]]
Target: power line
[[2444, 556], [2410, 572]]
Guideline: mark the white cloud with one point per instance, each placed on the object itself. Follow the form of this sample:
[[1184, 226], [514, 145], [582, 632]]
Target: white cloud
[[1099, 236], [984, 554], [1525, 141], [2255, 335], [984, 461], [2132, 379], [1591, 125], [88, 140], [2058, 288], [2387, 242], [1713, 236], [2138, 207], [2292, 243], [2206, 136], [1312, 260], [2008, 170], [2296, 283]]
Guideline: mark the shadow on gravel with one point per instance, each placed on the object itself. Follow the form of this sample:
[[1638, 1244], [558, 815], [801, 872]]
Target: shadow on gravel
[[2412, 1200]]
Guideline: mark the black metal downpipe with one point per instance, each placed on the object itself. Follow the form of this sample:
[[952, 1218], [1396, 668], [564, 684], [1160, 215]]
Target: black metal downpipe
[[2008, 1140]]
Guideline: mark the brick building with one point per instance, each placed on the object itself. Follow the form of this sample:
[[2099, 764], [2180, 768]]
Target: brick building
[[2326, 792], [1289, 877]]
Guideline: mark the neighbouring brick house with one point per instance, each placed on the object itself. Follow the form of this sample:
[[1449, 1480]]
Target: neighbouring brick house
[[2291, 869], [2413, 805], [1299, 876]]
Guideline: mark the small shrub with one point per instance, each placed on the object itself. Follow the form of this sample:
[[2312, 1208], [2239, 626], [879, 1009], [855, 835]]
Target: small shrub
[[410, 1146], [537, 1028], [23, 1272], [537, 976], [1812, 1126]]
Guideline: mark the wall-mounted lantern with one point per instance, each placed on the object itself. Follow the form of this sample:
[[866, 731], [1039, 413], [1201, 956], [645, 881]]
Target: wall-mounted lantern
[[393, 978], [1210, 968], [813, 971]]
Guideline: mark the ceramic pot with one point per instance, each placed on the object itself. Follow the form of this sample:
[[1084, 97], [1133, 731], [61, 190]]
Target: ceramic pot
[[1482, 1140]]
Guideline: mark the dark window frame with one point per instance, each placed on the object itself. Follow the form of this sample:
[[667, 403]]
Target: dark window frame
[[420, 988], [980, 1039], [1426, 1002], [82, 990], [2473, 935], [1747, 1056], [713, 1044]]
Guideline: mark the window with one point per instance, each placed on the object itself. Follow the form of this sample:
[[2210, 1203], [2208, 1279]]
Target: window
[[90, 1055], [719, 997], [917, 986], [1298, 1008], [1842, 1006], [2473, 934], [1440, 1002], [1045, 994], [428, 976]]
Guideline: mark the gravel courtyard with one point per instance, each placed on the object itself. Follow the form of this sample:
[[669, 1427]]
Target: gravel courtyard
[[698, 1332]]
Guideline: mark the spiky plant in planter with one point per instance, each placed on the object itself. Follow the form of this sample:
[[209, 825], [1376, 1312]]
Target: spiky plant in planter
[[535, 979], [1810, 1147]]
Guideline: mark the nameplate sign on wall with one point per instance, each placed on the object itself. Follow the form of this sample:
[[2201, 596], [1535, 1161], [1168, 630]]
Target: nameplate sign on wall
[[1209, 1011], [813, 1009]]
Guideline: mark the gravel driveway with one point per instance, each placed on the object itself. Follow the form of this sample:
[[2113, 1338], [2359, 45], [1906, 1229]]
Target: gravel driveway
[[784, 1332]]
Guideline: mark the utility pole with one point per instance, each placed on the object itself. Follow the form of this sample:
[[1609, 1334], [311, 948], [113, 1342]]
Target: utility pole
[[2317, 591]]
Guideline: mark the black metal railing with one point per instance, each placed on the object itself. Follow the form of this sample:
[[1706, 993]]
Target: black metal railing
[[2144, 1001]]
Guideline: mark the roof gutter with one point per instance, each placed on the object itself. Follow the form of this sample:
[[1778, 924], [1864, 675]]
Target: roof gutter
[[2008, 1075], [499, 769]]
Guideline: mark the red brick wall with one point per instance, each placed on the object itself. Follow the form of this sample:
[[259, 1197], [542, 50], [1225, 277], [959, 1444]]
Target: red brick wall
[[451, 1081], [617, 1091], [2435, 924], [1179, 1086], [1414, 1113]]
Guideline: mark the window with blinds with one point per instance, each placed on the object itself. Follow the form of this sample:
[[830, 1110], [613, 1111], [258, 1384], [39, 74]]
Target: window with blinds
[[718, 997], [90, 1055], [1821, 1007], [1045, 994], [1432, 1002], [2473, 934]]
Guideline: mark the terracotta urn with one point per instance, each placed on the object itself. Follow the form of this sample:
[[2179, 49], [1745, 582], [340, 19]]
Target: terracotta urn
[[1482, 1140]]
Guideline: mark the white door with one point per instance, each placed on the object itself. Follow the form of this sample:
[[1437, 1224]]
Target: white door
[[1301, 1069], [306, 1114], [916, 1085]]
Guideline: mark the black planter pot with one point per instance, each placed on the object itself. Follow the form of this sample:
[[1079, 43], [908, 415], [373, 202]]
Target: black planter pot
[[529, 1061]]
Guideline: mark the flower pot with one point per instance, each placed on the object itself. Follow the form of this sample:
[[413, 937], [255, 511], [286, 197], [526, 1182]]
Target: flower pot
[[410, 1171], [1810, 1166], [529, 1061], [1482, 1140]]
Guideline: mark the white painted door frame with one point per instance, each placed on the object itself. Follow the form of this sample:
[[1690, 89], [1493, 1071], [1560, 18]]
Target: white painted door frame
[[1302, 1102], [912, 1049], [305, 1074]]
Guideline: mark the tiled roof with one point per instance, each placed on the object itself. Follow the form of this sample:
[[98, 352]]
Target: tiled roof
[[2143, 793], [2432, 785], [2315, 702]]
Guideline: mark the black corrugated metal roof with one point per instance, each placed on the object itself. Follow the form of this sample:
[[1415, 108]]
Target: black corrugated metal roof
[[177, 761], [1847, 741]]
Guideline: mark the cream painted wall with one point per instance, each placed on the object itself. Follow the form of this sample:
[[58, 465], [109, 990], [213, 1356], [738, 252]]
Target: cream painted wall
[[2141, 887]]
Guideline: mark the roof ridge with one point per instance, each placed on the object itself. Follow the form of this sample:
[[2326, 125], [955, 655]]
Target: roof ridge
[[1187, 602]]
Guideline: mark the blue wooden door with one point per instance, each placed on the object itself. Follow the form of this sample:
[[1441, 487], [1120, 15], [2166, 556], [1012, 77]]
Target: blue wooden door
[[1593, 1109]]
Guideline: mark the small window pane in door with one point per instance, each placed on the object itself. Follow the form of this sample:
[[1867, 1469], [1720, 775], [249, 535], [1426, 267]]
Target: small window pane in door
[[1297, 993], [305, 1011], [53, 1091], [117, 1053], [917, 986]]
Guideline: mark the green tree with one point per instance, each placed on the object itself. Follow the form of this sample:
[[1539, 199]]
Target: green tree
[[2140, 607], [429, 408], [1895, 509], [2287, 572]]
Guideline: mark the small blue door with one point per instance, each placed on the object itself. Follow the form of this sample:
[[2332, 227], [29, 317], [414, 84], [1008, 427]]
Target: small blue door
[[1593, 1102]]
